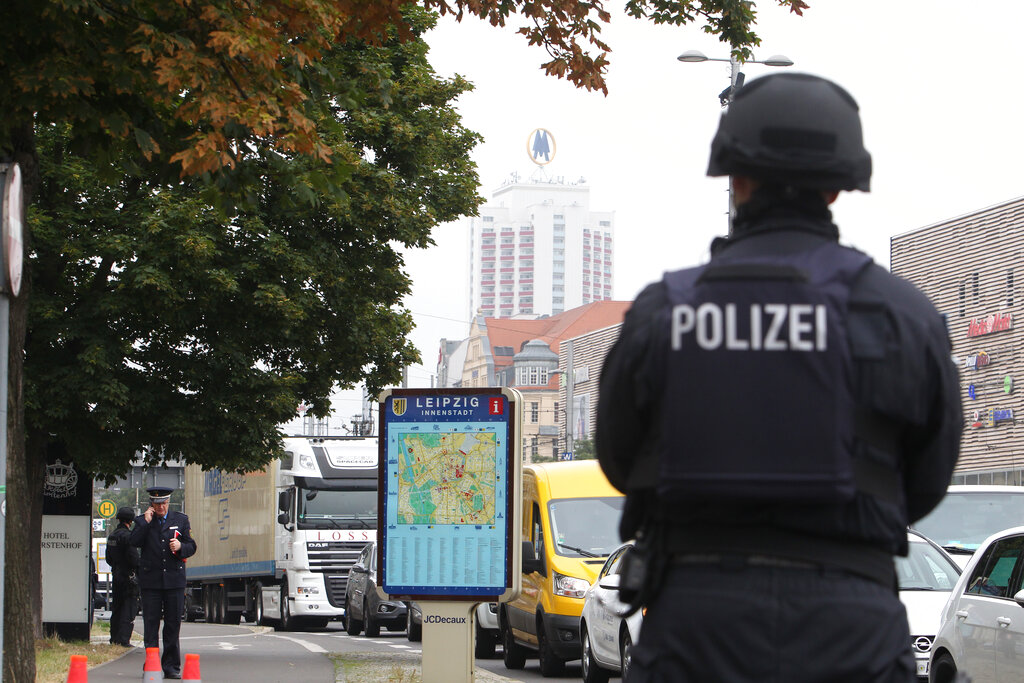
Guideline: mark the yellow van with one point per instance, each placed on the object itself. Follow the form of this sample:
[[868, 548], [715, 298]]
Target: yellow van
[[570, 526]]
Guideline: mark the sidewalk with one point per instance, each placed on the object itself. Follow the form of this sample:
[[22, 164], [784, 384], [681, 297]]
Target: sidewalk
[[397, 667]]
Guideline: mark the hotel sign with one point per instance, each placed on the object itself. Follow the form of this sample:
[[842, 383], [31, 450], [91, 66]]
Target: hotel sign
[[997, 322]]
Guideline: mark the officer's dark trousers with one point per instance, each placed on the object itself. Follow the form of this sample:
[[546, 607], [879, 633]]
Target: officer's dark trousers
[[124, 605], [166, 604], [717, 624]]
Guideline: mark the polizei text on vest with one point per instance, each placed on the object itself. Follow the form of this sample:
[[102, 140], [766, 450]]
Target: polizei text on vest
[[771, 327]]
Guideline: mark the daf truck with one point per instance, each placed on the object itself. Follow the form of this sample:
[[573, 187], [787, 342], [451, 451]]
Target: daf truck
[[276, 545]]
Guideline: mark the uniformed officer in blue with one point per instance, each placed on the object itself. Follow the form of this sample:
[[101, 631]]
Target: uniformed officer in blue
[[165, 540], [776, 418], [123, 559]]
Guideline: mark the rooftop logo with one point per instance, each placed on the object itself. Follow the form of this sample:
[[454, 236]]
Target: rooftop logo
[[541, 146]]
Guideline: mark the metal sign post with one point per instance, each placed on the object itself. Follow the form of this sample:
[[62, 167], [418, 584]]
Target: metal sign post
[[449, 513], [12, 226]]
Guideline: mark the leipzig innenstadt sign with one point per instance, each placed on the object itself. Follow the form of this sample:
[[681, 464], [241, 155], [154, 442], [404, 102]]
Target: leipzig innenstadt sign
[[997, 322]]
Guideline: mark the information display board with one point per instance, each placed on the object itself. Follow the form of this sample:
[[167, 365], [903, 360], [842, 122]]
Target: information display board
[[449, 493]]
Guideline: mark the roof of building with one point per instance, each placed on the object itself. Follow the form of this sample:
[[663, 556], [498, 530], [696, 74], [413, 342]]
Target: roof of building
[[507, 333]]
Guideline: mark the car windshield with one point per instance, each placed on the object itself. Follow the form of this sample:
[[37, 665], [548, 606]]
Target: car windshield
[[319, 509], [964, 518], [925, 569], [586, 527]]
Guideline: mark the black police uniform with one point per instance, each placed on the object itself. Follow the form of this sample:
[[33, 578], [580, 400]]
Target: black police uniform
[[162, 581], [123, 559], [772, 590]]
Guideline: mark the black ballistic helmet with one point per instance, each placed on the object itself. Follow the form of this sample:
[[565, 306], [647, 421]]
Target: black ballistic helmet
[[793, 129], [125, 514]]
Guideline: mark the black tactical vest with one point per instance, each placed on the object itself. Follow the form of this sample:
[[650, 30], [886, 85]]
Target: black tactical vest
[[760, 405]]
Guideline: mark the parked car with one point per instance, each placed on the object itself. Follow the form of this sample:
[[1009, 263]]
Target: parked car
[[926, 578], [971, 513], [486, 636], [982, 631], [363, 607], [570, 526], [606, 637]]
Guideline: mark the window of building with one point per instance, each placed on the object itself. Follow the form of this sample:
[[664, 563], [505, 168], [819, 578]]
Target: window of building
[[977, 288], [963, 299], [605, 224], [531, 376], [559, 217], [503, 351], [1009, 287], [534, 414], [534, 446], [488, 219]]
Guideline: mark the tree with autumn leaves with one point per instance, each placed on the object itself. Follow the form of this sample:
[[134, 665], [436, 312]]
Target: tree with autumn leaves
[[215, 189]]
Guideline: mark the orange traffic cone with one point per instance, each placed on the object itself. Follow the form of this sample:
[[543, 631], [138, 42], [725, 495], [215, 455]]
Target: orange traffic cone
[[152, 671], [191, 670], [77, 673]]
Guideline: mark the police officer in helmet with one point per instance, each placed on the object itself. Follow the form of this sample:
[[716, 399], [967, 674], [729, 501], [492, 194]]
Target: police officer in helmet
[[123, 559], [776, 418]]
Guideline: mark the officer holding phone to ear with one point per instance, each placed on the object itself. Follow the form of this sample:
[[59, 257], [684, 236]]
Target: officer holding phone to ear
[[164, 538]]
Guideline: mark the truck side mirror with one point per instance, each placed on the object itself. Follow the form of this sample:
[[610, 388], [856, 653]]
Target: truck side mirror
[[531, 562], [284, 501], [283, 518]]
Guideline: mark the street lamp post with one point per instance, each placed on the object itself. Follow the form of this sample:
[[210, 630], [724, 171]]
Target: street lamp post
[[735, 82]]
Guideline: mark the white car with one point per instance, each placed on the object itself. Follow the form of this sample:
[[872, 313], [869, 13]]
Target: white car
[[607, 638], [926, 579], [971, 513], [982, 631]]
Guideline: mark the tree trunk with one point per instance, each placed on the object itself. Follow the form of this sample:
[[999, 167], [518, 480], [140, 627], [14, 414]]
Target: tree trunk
[[22, 570]]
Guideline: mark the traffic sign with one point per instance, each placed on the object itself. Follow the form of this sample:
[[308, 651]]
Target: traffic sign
[[565, 455], [107, 508]]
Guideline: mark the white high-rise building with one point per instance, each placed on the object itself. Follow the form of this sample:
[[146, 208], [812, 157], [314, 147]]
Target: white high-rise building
[[537, 249]]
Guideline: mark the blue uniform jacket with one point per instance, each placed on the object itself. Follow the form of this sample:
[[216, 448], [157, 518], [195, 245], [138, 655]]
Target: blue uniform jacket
[[159, 568]]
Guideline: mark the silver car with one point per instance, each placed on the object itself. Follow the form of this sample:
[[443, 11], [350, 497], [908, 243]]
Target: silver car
[[606, 637], [982, 631]]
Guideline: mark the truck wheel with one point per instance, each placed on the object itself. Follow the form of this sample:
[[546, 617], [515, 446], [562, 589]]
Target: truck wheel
[[514, 654], [352, 625], [413, 632], [218, 616], [372, 625], [485, 643], [550, 663], [286, 622], [187, 613], [258, 608]]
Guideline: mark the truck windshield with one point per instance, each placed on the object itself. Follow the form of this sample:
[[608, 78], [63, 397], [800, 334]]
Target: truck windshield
[[337, 509], [586, 527], [966, 518]]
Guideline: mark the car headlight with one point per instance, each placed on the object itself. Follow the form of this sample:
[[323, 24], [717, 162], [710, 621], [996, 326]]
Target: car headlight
[[306, 461], [570, 586], [307, 590]]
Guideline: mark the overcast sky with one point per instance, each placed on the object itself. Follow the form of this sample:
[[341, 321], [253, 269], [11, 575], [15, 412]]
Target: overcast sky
[[936, 80]]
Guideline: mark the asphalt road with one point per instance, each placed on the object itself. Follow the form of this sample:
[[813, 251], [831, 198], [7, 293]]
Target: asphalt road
[[254, 654]]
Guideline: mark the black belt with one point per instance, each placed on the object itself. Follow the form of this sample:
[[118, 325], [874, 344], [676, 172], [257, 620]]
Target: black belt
[[745, 560], [777, 546]]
